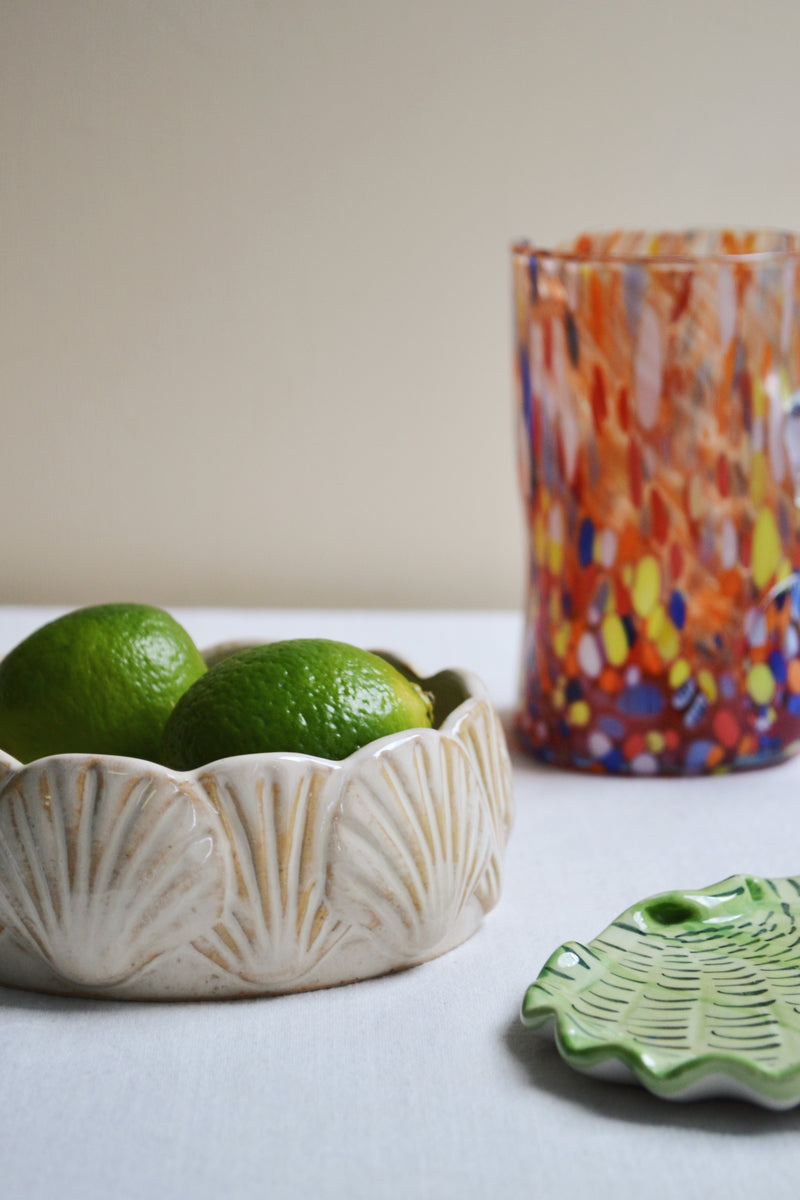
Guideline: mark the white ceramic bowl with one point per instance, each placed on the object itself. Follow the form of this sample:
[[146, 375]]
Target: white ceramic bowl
[[258, 874]]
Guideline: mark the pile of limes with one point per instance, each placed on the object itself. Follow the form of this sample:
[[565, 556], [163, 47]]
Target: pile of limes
[[127, 679]]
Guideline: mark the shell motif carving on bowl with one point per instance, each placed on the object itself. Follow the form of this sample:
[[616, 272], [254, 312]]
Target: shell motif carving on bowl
[[413, 841], [276, 811], [105, 866], [259, 874]]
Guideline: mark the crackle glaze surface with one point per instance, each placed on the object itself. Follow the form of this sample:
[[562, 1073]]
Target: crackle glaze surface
[[258, 874], [693, 994]]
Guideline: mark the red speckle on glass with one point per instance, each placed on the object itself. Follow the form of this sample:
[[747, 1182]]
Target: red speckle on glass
[[635, 473], [598, 396], [660, 516]]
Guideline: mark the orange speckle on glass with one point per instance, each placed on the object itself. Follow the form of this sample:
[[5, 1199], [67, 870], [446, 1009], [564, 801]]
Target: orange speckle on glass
[[793, 675], [729, 582], [747, 746], [650, 659], [628, 549], [715, 756], [571, 665], [610, 681], [596, 307]]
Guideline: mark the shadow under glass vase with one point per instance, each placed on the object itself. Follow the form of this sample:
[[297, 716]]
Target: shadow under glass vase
[[658, 393]]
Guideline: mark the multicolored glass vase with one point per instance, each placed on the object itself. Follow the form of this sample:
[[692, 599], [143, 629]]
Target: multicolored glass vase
[[657, 379]]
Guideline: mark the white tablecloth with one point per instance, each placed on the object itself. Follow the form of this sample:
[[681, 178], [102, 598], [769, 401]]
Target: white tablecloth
[[421, 1084]]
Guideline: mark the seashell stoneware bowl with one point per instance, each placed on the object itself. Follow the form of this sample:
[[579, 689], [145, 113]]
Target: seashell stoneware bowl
[[259, 874]]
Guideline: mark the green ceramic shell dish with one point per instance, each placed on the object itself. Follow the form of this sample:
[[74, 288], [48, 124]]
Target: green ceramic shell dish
[[693, 994]]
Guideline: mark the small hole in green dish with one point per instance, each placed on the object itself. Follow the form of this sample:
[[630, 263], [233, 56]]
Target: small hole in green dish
[[755, 888], [671, 912]]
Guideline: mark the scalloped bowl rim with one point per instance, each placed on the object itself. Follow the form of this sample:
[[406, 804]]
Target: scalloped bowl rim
[[474, 686], [465, 767]]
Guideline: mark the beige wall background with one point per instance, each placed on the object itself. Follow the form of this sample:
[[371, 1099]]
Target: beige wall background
[[254, 290]]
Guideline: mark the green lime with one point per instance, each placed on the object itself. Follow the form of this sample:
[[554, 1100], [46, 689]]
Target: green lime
[[102, 680], [306, 696]]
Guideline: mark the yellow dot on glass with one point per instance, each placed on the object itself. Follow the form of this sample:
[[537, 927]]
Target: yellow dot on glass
[[578, 713], [655, 741], [655, 622], [696, 498], [679, 672], [766, 548], [561, 640], [785, 384], [758, 476], [539, 537], [668, 642], [646, 585], [708, 684], [555, 556], [615, 641], [760, 683], [758, 398]]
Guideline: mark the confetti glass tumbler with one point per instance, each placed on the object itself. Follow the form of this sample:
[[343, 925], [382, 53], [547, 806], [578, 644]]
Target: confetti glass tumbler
[[657, 382]]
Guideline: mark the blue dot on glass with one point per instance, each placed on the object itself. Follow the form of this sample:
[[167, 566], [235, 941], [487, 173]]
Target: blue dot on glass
[[614, 760], [586, 542], [777, 664], [677, 610]]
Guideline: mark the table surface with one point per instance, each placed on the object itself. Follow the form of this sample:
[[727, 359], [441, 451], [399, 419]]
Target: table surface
[[424, 1083]]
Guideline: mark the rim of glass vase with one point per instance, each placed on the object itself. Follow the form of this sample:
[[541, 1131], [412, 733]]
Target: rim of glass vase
[[580, 250]]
